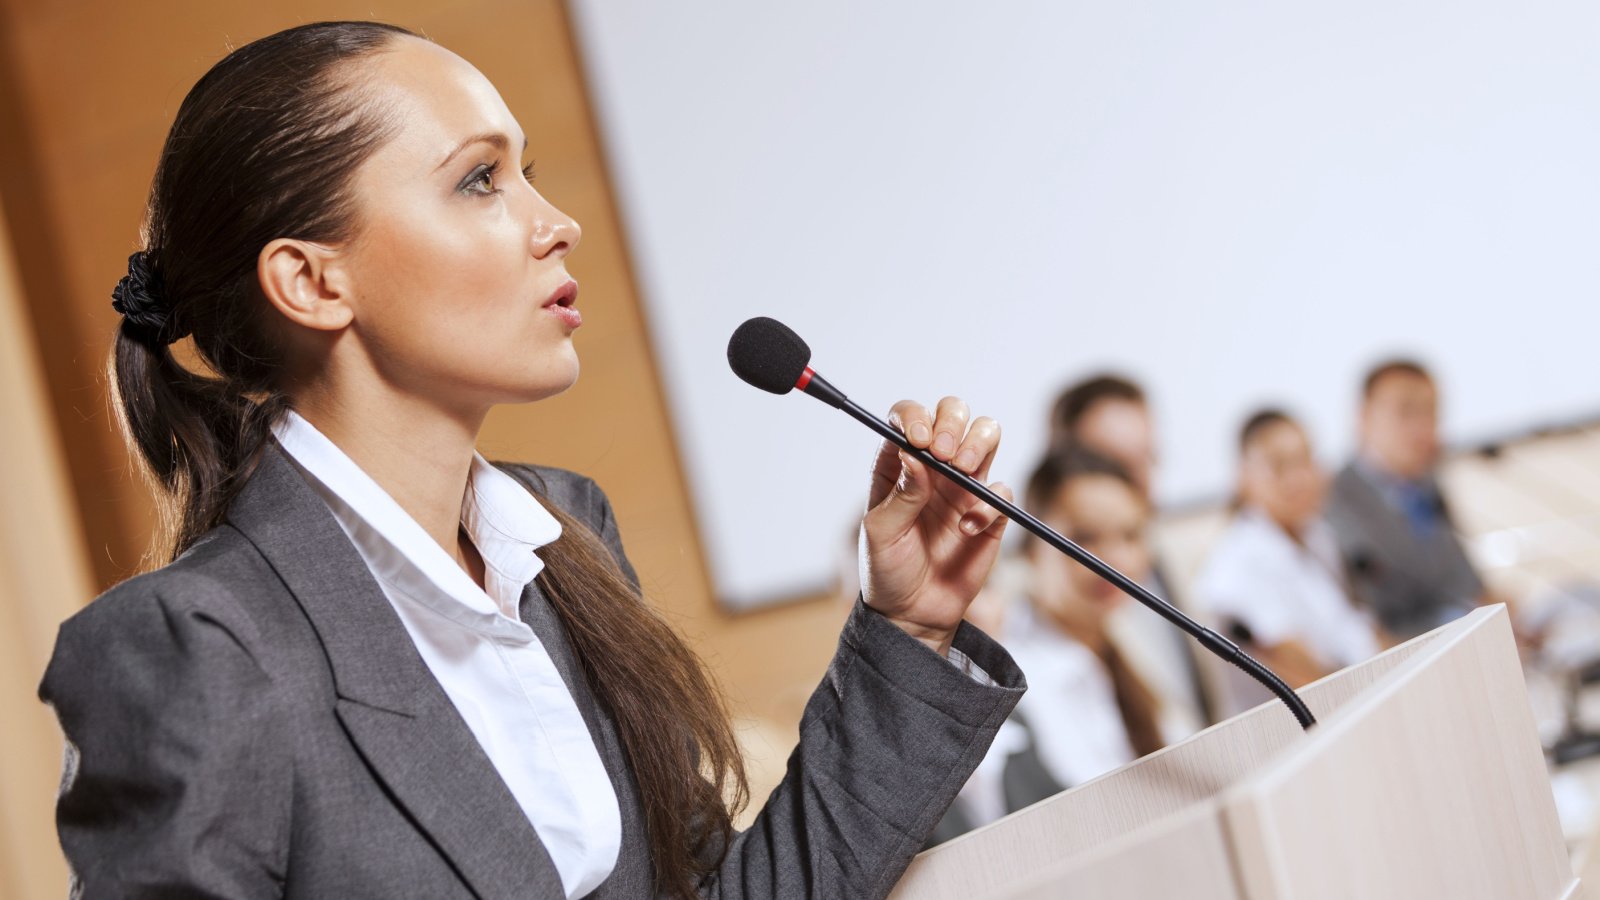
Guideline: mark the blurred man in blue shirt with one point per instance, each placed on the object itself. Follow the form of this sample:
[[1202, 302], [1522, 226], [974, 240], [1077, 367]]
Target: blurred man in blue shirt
[[1392, 522]]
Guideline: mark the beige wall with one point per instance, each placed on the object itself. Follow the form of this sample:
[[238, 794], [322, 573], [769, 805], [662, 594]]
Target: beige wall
[[87, 91], [44, 574]]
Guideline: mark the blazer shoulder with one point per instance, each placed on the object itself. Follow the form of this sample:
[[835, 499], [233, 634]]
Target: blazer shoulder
[[205, 584], [1350, 496], [1348, 479], [577, 494]]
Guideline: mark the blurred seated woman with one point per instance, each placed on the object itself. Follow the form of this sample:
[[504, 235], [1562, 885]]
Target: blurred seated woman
[[1275, 578], [1091, 711], [1087, 710]]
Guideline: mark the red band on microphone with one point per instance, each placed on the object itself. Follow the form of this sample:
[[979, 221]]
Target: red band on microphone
[[805, 379]]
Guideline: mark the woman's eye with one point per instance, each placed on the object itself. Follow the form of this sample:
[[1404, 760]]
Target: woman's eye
[[481, 181]]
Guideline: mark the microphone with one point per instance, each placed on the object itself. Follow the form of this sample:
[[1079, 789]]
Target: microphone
[[767, 354]]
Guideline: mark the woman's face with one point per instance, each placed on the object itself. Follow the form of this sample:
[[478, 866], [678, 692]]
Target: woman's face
[[458, 266], [1106, 516], [1278, 475]]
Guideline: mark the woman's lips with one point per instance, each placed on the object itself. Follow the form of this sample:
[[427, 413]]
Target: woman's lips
[[563, 304], [568, 315]]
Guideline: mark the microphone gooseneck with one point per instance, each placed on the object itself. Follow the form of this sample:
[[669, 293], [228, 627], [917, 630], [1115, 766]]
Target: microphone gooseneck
[[769, 355]]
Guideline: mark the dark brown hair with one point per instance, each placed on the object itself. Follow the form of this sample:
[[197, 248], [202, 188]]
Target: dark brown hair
[[1260, 421], [265, 146], [1138, 704], [1391, 367], [1065, 462], [1075, 402]]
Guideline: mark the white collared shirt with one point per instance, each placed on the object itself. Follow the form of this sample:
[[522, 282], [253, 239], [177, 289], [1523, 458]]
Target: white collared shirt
[[1285, 591], [489, 662], [1071, 703]]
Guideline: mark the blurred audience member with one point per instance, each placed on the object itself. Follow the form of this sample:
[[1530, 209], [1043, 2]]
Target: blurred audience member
[[1087, 711], [1109, 415], [1387, 510], [1275, 579]]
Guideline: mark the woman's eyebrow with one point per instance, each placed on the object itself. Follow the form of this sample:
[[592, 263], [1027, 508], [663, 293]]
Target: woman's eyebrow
[[495, 138]]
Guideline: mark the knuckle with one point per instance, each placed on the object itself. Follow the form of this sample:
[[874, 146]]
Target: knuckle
[[908, 409], [953, 408]]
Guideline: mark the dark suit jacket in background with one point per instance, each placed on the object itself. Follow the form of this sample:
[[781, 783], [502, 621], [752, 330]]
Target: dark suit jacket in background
[[1412, 583], [253, 721]]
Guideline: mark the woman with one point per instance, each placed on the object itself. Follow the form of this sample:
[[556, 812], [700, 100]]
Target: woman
[[1088, 709], [1275, 578], [375, 665]]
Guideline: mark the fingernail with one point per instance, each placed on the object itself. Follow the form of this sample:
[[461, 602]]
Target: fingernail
[[944, 445], [920, 434], [971, 525], [967, 460]]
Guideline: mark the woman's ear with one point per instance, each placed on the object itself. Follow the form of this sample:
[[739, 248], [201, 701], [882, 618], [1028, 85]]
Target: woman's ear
[[305, 282]]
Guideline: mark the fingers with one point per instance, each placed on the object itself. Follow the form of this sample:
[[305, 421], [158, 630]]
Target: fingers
[[885, 473], [900, 491], [914, 422], [949, 426], [945, 433], [948, 436], [977, 448], [984, 519]]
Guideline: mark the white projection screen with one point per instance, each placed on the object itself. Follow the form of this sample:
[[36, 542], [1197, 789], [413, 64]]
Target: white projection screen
[[1234, 203]]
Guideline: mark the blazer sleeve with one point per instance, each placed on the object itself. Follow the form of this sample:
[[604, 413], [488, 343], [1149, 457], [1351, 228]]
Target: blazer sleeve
[[174, 783], [886, 741]]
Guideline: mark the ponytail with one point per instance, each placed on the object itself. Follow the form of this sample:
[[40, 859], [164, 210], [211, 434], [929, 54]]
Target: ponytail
[[198, 437]]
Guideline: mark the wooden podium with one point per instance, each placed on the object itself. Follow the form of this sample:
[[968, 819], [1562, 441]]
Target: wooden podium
[[1424, 778]]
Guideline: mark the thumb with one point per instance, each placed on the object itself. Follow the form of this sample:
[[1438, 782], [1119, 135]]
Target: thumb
[[900, 506]]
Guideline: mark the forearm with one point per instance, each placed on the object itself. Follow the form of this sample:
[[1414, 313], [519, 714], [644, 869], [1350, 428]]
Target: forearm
[[886, 742]]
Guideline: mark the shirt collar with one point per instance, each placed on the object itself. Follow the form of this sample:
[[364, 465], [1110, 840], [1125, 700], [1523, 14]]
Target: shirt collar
[[505, 522], [1384, 481]]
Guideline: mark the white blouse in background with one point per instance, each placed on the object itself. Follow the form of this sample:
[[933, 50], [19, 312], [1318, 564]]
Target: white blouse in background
[[1282, 590], [1071, 704], [489, 662]]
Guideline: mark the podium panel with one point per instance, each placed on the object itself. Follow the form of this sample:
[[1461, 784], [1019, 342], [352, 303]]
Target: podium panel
[[1141, 864], [1435, 786], [1424, 755]]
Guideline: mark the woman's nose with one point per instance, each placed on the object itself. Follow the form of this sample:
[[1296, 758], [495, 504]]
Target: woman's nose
[[554, 233]]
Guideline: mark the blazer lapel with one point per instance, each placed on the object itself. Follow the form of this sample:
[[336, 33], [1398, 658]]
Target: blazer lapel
[[1387, 526], [394, 710]]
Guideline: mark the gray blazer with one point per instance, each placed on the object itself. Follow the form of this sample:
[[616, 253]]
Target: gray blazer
[[254, 721], [1412, 584]]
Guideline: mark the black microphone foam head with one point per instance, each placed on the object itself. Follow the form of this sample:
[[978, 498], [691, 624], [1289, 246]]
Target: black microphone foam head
[[767, 354]]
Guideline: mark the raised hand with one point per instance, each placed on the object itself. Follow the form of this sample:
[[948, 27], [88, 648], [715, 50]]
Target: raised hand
[[927, 545]]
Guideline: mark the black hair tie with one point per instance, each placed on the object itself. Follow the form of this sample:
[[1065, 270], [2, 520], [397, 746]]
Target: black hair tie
[[141, 300]]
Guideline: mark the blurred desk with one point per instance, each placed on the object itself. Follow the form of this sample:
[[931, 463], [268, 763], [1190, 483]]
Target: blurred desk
[[1577, 789]]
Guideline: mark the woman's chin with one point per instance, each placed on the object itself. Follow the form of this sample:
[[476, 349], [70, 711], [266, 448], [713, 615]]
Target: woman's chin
[[557, 376]]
